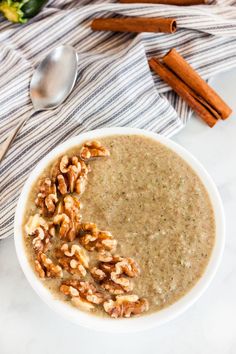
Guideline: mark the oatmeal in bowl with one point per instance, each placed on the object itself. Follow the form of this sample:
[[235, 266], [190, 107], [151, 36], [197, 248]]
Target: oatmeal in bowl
[[119, 229]]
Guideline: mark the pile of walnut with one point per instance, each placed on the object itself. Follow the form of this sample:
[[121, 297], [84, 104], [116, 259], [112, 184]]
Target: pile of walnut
[[59, 219]]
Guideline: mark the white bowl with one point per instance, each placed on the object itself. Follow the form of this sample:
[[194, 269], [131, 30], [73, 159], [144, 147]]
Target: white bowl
[[132, 324]]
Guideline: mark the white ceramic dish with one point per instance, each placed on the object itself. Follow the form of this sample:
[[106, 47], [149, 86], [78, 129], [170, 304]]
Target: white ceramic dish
[[132, 324]]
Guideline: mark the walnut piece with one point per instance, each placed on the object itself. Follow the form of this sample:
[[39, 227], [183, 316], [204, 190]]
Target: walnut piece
[[70, 174], [74, 260], [46, 268], [34, 222], [83, 293], [42, 232], [62, 184], [68, 218], [64, 163], [94, 239], [86, 290], [105, 256], [116, 289], [125, 306], [41, 241], [93, 149], [55, 171], [98, 274], [78, 252], [47, 197], [72, 208], [127, 266], [113, 274], [124, 268], [81, 303]]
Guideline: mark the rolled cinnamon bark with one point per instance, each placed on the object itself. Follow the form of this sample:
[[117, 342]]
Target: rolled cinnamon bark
[[175, 62], [204, 111], [166, 2], [135, 24]]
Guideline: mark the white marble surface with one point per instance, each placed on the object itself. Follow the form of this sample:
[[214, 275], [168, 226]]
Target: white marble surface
[[28, 326]]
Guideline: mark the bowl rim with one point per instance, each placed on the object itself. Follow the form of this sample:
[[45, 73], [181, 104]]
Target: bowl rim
[[136, 323]]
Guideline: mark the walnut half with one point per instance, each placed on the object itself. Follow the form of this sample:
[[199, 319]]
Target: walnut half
[[93, 239], [113, 274], [125, 306], [68, 218], [73, 259], [46, 268], [35, 221], [70, 174], [47, 197], [41, 231], [93, 149], [83, 294], [41, 241]]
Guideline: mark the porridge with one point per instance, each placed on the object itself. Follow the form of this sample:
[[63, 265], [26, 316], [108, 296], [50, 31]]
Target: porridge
[[119, 227]]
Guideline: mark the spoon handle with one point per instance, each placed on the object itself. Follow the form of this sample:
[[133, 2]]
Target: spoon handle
[[7, 143]]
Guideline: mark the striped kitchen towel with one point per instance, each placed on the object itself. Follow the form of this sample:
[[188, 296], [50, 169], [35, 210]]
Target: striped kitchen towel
[[115, 86]]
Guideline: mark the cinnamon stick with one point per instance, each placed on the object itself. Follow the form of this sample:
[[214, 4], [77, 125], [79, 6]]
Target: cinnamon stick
[[166, 2], [135, 24], [175, 62], [184, 91]]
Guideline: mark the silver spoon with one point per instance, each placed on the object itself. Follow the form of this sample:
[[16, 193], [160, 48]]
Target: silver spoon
[[50, 85]]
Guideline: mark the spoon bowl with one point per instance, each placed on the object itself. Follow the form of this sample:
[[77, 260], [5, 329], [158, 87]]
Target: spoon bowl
[[50, 85], [54, 78]]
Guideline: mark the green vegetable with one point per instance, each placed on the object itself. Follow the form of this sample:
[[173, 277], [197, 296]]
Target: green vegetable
[[21, 11], [32, 7]]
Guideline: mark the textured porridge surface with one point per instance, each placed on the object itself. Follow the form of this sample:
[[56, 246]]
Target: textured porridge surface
[[158, 210]]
